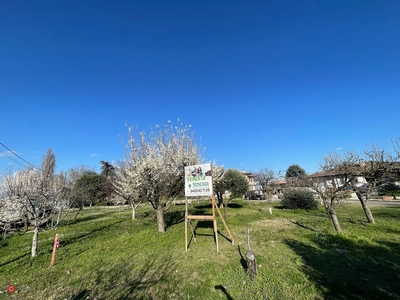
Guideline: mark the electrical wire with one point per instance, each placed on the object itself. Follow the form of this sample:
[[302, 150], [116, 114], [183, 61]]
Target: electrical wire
[[5, 154]]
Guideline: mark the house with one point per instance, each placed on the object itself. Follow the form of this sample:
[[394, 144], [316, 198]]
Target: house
[[335, 179], [252, 183], [277, 186], [255, 189]]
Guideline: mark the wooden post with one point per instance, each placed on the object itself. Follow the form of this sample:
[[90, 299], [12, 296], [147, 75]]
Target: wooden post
[[186, 221], [56, 245], [214, 220], [226, 227]]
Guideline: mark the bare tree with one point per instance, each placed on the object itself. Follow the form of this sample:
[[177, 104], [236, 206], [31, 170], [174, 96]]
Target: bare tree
[[350, 169], [327, 187], [264, 177], [367, 171], [35, 192], [361, 173], [155, 165]]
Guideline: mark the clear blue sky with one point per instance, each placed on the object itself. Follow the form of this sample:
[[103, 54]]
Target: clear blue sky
[[263, 83]]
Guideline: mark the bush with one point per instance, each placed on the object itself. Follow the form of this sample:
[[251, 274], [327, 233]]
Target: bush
[[295, 198]]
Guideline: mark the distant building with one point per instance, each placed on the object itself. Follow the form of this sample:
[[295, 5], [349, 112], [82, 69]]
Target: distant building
[[252, 183]]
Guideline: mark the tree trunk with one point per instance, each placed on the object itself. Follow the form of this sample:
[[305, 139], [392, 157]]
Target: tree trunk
[[220, 200], [251, 264], [26, 224], [331, 212], [35, 239], [160, 219], [133, 211], [225, 210], [77, 213], [334, 218], [59, 216], [367, 211]]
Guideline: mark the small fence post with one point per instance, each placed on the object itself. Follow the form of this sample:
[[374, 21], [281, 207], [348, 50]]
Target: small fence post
[[56, 245]]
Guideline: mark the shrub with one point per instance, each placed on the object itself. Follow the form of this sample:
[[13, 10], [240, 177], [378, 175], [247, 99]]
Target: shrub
[[294, 198]]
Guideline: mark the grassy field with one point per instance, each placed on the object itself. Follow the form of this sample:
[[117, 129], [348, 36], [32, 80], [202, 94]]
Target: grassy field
[[105, 255]]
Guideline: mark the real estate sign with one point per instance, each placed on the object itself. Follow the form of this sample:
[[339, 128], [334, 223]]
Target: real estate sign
[[198, 180]]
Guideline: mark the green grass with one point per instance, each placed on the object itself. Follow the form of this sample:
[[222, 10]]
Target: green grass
[[105, 255]]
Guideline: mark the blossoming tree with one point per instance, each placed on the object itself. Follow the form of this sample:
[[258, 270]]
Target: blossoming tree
[[154, 164]]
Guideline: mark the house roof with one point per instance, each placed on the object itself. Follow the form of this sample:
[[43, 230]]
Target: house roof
[[325, 173], [278, 182]]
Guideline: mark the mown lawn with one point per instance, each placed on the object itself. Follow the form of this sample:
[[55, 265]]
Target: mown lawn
[[105, 255]]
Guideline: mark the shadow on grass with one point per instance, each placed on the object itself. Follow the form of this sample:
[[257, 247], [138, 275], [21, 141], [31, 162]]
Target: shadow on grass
[[387, 213], [174, 217], [207, 224], [146, 215], [82, 236], [204, 224], [203, 207], [223, 289], [153, 280], [199, 211], [224, 236], [80, 219], [234, 205], [3, 242], [298, 223], [243, 261], [14, 259], [345, 269]]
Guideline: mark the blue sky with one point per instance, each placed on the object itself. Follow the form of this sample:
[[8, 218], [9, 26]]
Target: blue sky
[[262, 83]]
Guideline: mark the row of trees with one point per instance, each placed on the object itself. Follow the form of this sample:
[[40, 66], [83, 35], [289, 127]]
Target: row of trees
[[377, 166], [39, 198], [151, 172], [362, 172]]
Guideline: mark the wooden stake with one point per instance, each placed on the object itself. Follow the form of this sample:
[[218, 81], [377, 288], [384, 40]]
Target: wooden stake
[[223, 221], [56, 245]]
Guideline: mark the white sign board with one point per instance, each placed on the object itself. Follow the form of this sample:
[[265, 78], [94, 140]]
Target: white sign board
[[198, 180]]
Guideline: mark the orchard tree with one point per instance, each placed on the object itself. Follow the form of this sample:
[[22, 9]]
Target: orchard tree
[[329, 190], [35, 191], [123, 186], [361, 172], [367, 171], [264, 177], [156, 165], [356, 175]]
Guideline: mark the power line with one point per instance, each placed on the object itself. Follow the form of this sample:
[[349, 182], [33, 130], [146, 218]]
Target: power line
[[9, 157], [16, 156]]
